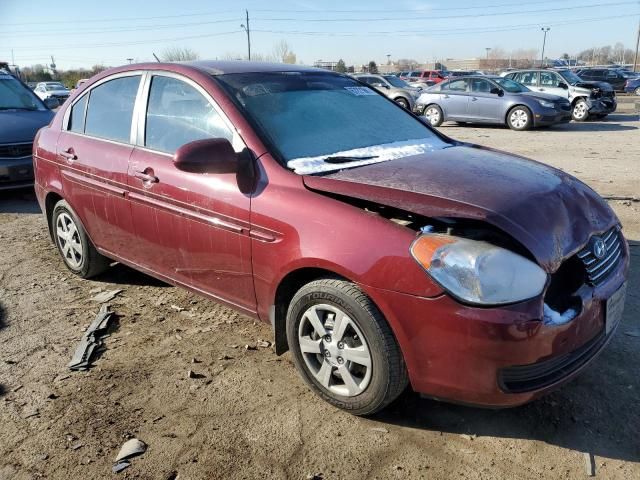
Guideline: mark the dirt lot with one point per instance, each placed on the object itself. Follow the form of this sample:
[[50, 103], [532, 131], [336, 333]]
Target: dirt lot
[[249, 415]]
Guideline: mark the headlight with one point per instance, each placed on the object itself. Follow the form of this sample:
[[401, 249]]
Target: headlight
[[476, 271], [546, 104]]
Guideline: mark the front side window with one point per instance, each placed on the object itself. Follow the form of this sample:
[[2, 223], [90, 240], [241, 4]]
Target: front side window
[[313, 121], [549, 79], [177, 114], [110, 109], [480, 86]]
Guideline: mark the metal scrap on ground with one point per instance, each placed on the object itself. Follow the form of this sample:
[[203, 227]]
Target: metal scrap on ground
[[91, 339], [106, 296], [131, 448]]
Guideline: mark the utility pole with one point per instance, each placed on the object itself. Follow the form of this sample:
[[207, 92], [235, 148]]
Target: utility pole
[[635, 58], [130, 60], [246, 29], [544, 43]]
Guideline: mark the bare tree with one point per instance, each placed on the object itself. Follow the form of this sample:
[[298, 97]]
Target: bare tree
[[283, 52], [497, 53], [179, 54]]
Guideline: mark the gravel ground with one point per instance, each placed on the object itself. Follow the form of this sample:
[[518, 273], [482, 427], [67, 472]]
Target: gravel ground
[[247, 414]]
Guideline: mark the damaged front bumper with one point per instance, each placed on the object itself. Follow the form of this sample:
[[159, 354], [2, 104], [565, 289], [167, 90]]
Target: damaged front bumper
[[501, 356], [602, 106]]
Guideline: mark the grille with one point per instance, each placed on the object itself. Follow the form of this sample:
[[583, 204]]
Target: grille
[[598, 269], [526, 378], [16, 150]]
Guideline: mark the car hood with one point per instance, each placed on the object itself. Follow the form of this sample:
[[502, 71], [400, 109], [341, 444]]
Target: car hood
[[550, 213], [604, 86], [20, 126], [541, 96]]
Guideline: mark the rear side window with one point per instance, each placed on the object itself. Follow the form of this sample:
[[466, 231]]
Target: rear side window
[[178, 114], [457, 85], [76, 119], [110, 109], [529, 79]]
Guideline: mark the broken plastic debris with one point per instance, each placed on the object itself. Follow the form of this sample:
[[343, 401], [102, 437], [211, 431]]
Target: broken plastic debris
[[91, 339], [131, 448], [552, 317], [118, 467], [107, 296]]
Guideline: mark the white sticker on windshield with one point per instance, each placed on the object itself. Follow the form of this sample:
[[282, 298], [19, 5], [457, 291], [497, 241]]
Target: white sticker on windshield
[[360, 91]]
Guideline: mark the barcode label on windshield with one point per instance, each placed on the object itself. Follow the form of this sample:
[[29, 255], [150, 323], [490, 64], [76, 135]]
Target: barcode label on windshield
[[360, 91]]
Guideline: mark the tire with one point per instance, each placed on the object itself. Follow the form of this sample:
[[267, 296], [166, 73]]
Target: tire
[[637, 91], [519, 118], [372, 358], [403, 102], [434, 114], [580, 111], [600, 116], [77, 252]]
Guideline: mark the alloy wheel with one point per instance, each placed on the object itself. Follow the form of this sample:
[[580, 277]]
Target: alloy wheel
[[334, 350], [69, 240], [580, 110]]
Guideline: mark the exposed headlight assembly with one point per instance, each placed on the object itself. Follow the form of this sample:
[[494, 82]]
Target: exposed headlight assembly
[[478, 272], [546, 104]]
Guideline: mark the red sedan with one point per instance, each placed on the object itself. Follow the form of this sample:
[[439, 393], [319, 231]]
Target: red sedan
[[382, 252]]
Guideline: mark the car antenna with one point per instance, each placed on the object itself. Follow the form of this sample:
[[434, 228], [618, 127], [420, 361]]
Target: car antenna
[[156, 57]]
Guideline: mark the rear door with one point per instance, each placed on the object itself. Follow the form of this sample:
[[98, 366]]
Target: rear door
[[190, 227], [93, 151], [454, 99]]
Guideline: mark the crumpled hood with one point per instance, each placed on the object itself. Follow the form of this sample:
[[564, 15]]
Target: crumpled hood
[[20, 126], [604, 86], [549, 212]]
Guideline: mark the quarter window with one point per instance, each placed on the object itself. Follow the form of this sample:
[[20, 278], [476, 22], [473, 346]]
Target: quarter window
[[111, 108], [178, 114], [76, 119]]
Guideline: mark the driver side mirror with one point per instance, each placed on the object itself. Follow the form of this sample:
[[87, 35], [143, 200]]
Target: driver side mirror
[[211, 155], [563, 85], [51, 103], [497, 91]]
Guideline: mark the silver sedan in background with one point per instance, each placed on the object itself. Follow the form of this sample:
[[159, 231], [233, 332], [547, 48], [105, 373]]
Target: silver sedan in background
[[491, 100], [396, 89]]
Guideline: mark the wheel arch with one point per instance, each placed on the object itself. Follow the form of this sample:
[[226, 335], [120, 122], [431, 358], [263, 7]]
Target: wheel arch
[[50, 201], [512, 107]]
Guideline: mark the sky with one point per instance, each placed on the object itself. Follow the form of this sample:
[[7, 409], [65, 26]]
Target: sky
[[85, 33]]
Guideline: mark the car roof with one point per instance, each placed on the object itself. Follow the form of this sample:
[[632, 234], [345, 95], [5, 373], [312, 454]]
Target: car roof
[[223, 67]]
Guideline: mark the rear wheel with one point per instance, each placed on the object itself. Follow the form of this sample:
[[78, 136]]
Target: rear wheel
[[519, 118], [75, 247], [433, 113], [637, 91], [403, 102], [580, 111], [343, 347]]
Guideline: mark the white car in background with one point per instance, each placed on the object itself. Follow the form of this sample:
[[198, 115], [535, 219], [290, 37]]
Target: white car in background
[[55, 90]]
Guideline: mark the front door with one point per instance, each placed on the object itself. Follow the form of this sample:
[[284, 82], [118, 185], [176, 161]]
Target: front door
[[484, 105], [454, 98], [550, 83], [191, 227], [94, 150]]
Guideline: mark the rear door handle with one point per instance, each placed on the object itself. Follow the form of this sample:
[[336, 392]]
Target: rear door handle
[[69, 154], [145, 177]]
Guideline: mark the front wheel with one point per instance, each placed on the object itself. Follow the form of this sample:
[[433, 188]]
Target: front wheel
[[433, 113], [402, 102], [343, 347], [580, 111], [637, 91], [519, 118], [75, 247]]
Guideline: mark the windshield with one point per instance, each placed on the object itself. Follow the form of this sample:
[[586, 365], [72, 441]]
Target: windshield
[[13, 95], [570, 77], [54, 86], [395, 81], [510, 86], [317, 122]]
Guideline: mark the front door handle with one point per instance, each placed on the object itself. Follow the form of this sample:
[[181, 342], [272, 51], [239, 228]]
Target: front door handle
[[69, 154], [446, 96], [145, 177], [473, 99]]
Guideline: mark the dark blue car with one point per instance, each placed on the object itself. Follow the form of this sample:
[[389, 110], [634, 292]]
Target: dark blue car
[[22, 114]]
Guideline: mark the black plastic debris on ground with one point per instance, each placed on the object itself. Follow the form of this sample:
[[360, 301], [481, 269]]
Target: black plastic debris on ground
[[91, 340]]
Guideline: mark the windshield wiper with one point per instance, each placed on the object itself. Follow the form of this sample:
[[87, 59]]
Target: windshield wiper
[[347, 159]]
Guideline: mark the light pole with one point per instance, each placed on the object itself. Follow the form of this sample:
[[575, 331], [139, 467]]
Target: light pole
[[129, 60], [488, 49], [388, 59], [544, 43], [246, 29]]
